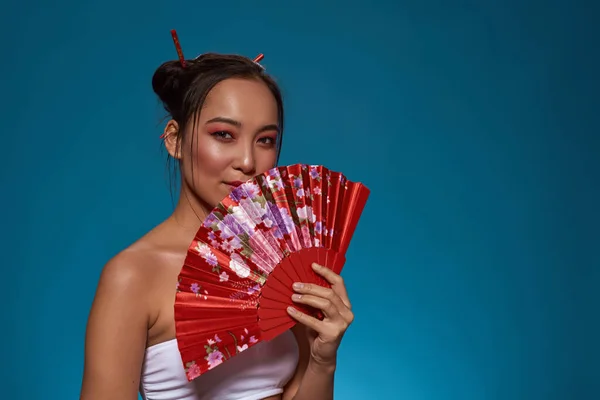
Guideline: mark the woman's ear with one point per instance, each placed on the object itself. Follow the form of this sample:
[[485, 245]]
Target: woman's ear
[[170, 138]]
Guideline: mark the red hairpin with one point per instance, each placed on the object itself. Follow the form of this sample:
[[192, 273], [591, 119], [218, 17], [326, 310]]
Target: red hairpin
[[259, 58], [178, 47]]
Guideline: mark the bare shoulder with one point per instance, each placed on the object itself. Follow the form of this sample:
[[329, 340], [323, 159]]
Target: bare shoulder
[[118, 324], [128, 273]]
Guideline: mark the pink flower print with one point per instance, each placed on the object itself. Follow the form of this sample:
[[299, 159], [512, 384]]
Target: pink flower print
[[251, 189], [317, 191], [236, 195], [193, 371], [211, 235], [237, 265], [252, 339], [318, 227], [223, 277], [306, 235], [214, 358], [210, 220], [227, 247], [236, 243], [242, 348], [275, 183], [245, 216], [206, 254], [195, 288], [253, 289], [254, 210], [268, 223], [306, 213], [314, 174], [300, 193], [217, 339], [298, 183], [211, 342], [230, 226], [276, 232], [224, 231], [288, 221], [211, 260]]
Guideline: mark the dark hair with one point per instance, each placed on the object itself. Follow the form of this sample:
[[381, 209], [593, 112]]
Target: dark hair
[[183, 91]]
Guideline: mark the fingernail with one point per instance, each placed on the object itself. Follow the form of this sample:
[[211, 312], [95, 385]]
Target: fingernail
[[316, 266], [291, 310], [296, 296], [298, 285]]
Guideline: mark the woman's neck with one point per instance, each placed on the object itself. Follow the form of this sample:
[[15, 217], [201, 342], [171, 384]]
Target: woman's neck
[[189, 212]]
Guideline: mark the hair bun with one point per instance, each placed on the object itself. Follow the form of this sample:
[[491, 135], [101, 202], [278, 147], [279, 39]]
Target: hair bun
[[168, 82]]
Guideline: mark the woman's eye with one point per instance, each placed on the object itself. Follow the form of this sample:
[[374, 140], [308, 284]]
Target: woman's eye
[[223, 135], [267, 140]]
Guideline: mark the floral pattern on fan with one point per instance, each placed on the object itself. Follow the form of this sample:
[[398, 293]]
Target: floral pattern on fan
[[254, 213], [232, 289], [215, 357]]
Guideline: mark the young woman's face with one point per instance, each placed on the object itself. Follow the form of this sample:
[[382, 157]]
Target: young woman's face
[[233, 140]]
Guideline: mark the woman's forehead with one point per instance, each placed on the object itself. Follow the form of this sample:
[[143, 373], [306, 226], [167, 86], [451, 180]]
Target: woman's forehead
[[240, 99]]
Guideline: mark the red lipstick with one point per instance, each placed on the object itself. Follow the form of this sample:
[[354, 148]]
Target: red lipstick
[[235, 183]]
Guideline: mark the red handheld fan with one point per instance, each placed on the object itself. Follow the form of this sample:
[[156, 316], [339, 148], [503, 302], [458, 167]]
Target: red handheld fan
[[236, 282]]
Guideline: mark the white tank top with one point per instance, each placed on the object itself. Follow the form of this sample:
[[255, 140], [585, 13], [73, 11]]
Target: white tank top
[[258, 372]]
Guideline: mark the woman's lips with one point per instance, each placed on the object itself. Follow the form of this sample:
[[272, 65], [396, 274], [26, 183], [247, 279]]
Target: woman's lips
[[234, 183]]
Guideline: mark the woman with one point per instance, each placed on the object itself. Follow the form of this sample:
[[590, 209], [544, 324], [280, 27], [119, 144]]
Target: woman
[[226, 126]]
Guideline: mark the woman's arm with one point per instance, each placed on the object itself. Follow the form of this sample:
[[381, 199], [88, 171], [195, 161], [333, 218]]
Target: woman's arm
[[116, 333], [311, 380], [319, 340]]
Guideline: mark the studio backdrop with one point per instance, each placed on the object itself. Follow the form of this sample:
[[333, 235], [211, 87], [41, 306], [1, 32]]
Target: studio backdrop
[[474, 124]]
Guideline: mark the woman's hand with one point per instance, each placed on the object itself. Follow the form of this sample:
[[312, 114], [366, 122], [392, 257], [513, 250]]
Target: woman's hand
[[325, 335]]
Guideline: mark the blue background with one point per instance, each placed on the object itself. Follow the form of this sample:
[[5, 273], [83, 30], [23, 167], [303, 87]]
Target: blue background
[[475, 125]]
